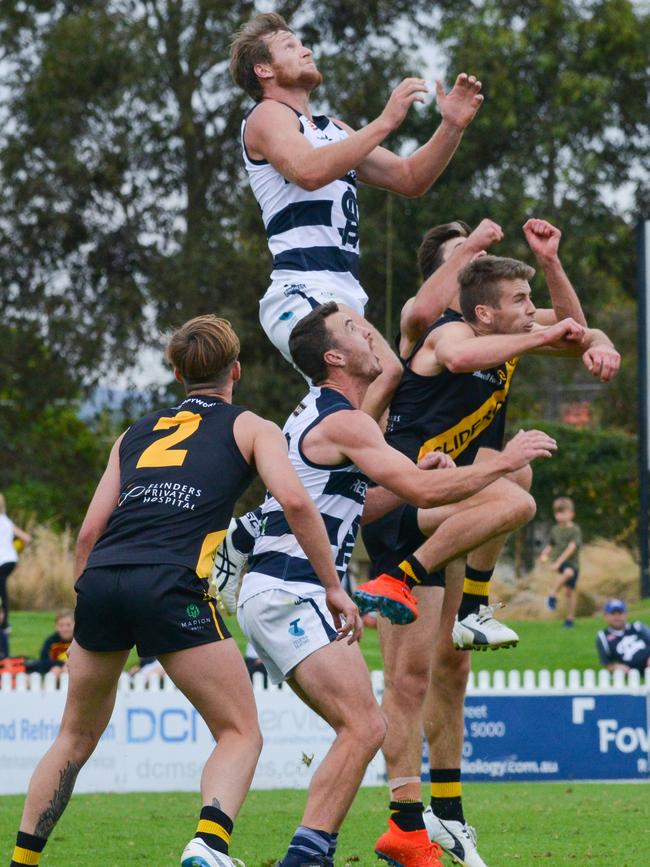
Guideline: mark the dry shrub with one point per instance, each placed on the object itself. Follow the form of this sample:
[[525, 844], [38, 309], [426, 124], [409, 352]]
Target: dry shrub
[[43, 579], [606, 570]]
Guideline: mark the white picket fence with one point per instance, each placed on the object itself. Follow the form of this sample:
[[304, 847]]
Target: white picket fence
[[480, 683]]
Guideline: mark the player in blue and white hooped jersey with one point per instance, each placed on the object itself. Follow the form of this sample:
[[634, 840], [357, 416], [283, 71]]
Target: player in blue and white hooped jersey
[[304, 168], [286, 612]]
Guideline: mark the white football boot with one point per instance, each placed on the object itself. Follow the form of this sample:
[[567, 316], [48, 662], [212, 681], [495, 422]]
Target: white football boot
[[480, 630], [229, 564], [456, 838], [197, 853]]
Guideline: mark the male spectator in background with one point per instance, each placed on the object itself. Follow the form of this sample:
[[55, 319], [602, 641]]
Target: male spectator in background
[[623, 646], [54, 652], [564, 551]]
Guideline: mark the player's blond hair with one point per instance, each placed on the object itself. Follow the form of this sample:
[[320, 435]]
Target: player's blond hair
[[563, 504], [3, 505], [248, 48], [203, 350]]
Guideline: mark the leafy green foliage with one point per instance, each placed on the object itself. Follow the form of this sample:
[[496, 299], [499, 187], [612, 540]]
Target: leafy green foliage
[[599, 471]]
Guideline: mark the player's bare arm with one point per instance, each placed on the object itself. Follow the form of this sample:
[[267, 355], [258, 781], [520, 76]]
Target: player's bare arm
[[599, 355], [439, 290], [273, 133], [100, 509], [380, 501], [359, 439], [544, 240], [460, 350], [263, 443], [412, 176]]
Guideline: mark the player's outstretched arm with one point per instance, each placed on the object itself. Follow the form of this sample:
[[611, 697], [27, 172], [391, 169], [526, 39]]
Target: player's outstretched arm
[[412, 176], [267, 449], [100, 509], [380, 501], [273, 133], [460, 350], [544, 240], [361, 440], [438, 291]]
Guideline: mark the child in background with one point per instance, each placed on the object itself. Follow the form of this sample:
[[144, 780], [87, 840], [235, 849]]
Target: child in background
[[563, 550]]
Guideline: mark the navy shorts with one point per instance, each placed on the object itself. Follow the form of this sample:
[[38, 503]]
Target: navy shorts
[[570, 582], [393, 537], [159, 608]]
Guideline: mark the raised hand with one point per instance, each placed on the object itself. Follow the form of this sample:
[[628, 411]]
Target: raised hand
[[543, 238], [602, 361], [345, 614], [527, 446], [459, 106], [407, 92], [484, 235]]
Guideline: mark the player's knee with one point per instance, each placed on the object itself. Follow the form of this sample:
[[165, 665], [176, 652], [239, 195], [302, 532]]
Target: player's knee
[[451, 670], [375, 731], [523, 477], [80, 742], [525, 508]]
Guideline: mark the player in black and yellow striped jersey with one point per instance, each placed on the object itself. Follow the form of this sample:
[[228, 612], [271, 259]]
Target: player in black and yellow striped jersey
[[460, 359], [143, 555]]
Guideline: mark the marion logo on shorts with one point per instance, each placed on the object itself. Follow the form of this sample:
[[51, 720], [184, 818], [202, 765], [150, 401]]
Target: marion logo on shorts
[[195, 622]]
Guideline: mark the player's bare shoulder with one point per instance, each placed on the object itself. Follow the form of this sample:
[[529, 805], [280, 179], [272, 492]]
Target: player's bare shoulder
[[266, 118], [251, 431]]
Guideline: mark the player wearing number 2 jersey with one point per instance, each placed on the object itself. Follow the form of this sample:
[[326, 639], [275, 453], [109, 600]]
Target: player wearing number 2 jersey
[[145, 548], [304, 168]]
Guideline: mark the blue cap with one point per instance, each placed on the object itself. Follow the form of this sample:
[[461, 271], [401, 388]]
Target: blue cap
[[614, 605]]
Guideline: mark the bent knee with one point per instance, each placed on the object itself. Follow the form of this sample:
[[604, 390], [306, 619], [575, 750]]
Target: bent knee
[[525, 508], [523, 477]]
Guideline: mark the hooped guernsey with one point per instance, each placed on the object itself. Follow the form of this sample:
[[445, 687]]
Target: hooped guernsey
[[313, 235], [338, 492], [181, 473], [454, 413]]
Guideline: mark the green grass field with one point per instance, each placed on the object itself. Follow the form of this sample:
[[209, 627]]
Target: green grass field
[[546, 823], [526, 823], [543, 644]]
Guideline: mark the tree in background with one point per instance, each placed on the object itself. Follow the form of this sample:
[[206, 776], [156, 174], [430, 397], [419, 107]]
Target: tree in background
[[125, 209]]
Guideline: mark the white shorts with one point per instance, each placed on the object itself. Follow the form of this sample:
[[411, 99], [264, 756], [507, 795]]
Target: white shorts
[[285, 628], [285, 304]]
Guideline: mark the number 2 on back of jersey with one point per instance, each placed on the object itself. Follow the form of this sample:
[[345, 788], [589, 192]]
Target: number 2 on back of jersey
[[160, 453]]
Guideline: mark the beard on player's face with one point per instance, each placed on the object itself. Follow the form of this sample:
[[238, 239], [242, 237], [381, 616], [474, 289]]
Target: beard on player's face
[[308, 77]]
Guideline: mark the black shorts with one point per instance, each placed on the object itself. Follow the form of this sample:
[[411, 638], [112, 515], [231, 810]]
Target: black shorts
[[393, 537], [160, 608], [570, 582]]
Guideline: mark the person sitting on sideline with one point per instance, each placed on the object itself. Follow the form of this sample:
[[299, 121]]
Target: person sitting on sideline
[[623, 646], [54, 651]]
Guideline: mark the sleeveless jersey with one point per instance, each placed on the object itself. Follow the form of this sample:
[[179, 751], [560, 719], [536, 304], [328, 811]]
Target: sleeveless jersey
[[338, 493], [455, 413], [181, 473], [313, 235]]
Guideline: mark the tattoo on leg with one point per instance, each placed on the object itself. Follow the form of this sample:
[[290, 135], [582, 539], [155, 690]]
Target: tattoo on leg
[[216, 803], [49, 817]]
